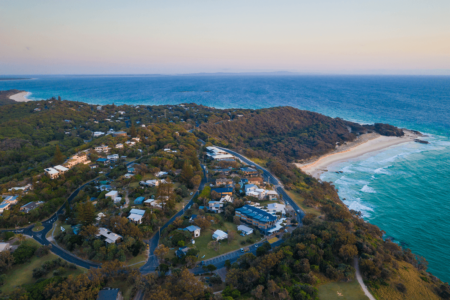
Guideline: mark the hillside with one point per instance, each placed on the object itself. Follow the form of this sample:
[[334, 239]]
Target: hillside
[[289, 133], [4, 97]]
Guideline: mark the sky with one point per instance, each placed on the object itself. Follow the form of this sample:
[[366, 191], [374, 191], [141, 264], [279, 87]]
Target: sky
[[179, 36]]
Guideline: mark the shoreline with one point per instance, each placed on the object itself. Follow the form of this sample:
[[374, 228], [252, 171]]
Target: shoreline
[[366, 144], [20, 97]]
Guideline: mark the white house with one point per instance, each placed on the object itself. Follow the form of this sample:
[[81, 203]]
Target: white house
[[108, 236], [52, 173], [98, 133], [217, 206], [61, 169], [102, 148], [130, 143], [195, 230], [119, 146], [113, 195], [219, 235], [245, 230], [5, 247], [136, 139], [153, 182], [217, 154], [136, 219], [161, 173], [4, 206], [113, 157], [276, 207]]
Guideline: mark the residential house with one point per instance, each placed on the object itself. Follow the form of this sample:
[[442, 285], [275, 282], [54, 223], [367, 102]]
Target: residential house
[[113, 157], [152, 203], [139, 200], [153, 182], [119, 146], [217, 154], [109, 294], [181, 252], [219, 235], [93, 166], [25, 188], [136, 215], [100, 216], [5, 247], [102, 149], [108, 236], [10, 199], [4, 206], [136, 139], [192, 218], [223, 191], [271, 195], [105, 187], [255, 180], [130, 143], [61, 169], [119, 133], [248, 171], [113, 195], [103, 161], [224, 181], [30, 206], [128, 175], [257, 217], [161, 174], [52, 173], [77, 159], [98, 133], [245, 230], [277, 208], [225, 171], [194, 230], [217, 206]]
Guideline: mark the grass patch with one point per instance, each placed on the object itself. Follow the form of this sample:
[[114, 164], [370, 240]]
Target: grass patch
[[37, 228], [201, 243], [137, 259], [342, 290], [416, 287], [299, 200], [22, 274]]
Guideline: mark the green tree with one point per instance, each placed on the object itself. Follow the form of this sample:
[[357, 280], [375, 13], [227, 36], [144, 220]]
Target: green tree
[[86, 213], [58, 158], [133, 132], [187, 173]]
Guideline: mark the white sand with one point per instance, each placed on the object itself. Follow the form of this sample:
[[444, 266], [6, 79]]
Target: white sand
[[377, 143], [20, 97]]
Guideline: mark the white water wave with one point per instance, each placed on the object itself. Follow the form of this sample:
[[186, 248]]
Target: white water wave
[[349, 181], [368, 189], [383, 170]]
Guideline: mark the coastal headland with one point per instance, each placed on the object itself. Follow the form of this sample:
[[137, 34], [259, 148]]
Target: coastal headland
[[364, 144]]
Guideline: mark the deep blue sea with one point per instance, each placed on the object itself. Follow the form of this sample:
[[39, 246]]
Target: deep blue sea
[[405, 189]]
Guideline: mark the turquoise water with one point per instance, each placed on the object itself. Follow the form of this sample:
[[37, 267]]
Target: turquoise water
[[405, 190]]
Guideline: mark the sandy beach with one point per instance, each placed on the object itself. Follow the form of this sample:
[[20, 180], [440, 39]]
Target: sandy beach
[[20, 97], [365, 144]]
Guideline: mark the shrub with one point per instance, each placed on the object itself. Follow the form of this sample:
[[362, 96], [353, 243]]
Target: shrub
[[401, 287], [23, 253]]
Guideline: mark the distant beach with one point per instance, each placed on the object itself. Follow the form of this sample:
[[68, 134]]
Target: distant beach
[[364, 144], [20, 97]]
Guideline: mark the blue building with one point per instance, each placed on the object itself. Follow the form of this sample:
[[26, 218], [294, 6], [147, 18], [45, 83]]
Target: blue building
[[259, 218], [139, 200], [223, 191]]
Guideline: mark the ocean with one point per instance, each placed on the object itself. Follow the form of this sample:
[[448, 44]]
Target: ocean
[[405, 189]]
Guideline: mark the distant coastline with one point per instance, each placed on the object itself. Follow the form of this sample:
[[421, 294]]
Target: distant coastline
[[9, 79], [366, 143]]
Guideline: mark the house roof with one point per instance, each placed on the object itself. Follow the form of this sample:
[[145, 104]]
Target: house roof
[[244, 228], [139, 200], [61, 168], [193, 217], [108, 294], [135, 217], [4, 205], [248, 169], [102, 159], [256, 214], [222, 190], [137, 211], [219, 233], [192, 228]]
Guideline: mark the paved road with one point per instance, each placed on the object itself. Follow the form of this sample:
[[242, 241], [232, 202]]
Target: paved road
[[360, 280], [219, 261]]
